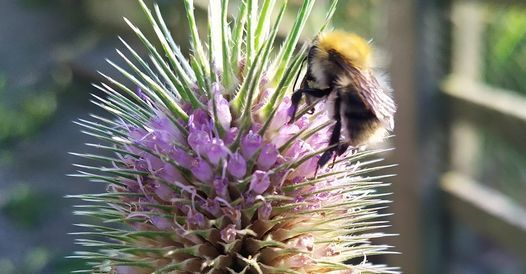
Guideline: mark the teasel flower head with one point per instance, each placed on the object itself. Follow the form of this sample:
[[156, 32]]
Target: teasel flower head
[[204, 173]]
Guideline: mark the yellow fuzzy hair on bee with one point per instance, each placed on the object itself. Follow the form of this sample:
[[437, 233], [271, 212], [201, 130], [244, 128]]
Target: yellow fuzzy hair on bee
[[350, 46]]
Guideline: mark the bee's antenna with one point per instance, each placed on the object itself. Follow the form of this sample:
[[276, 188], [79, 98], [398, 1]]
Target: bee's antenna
[[299, 72]]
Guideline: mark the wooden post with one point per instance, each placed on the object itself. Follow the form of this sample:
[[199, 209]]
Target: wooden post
[[416, 37], [401, 44]]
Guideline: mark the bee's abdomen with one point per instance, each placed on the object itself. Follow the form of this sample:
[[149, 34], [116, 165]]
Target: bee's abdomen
[[359, 123]]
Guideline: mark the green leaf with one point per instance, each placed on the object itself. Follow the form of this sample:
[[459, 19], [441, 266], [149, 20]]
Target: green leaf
[[237, 38], [290, 43], [228, 73], [182, 76], [155, 92], [262, 28], [196, 46], [250, 37], [242, 102]]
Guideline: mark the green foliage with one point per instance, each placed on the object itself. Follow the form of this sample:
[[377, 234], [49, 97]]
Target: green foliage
[[358, 16], [18, 204], [505, 53], [39, 3], [36, 259], [61, 265], [21, 117], [501, 166], [6, 266], [39, 260]]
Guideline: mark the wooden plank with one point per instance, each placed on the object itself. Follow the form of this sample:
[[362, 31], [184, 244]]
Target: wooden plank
[[500, 111], [486, 210]]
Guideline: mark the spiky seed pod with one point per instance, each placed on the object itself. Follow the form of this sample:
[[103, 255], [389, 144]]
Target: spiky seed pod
[[206, 175]]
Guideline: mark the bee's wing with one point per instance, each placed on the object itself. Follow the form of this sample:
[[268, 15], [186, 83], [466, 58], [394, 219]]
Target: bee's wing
[[374, 93], [377, 97]]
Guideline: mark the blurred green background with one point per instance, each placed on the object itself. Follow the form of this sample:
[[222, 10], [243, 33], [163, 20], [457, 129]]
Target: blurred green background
[[50, 51]]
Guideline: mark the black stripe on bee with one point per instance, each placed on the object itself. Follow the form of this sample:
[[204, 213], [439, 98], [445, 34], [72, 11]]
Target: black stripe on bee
[[359, 121], [354, 106]]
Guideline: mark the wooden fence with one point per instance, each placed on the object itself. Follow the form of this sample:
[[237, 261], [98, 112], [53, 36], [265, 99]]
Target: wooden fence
[[435, 188]]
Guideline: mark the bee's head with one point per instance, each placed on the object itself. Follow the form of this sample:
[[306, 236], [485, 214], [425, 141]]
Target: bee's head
[[351, 47]]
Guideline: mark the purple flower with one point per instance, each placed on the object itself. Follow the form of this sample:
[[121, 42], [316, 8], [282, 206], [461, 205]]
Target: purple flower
[[319, 140], [231, 135], [199, 120], [166, 130], [300, 260], [171, 174], [267, 157], [182, 158], [217, 88], [199, 140], [282, 115], [304, 243], [250, 198], [140, 93], [128, 270], [201, 170], [237, 166], [298, 149], [196, 218], [216, 151], [164, 192], [302, 122], [158, 142], [259, 182], [264, 211], [229, 233], [132, 185], [222, 108], [160, 222], [221, 187], [212, 206], [265, 96], [233, 214], [284, 135], [136, 133], [137, 136], [153, 163], [250, 144], [308, 167]]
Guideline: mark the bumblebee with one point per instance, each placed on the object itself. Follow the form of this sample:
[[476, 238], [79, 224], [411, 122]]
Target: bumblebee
[[339, 70]]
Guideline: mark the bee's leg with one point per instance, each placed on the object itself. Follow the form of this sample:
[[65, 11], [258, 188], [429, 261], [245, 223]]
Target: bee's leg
[[335, 136], [295, 101], [339, 151], [309, 102], [342, 148], [333, 159], [296, 98]]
